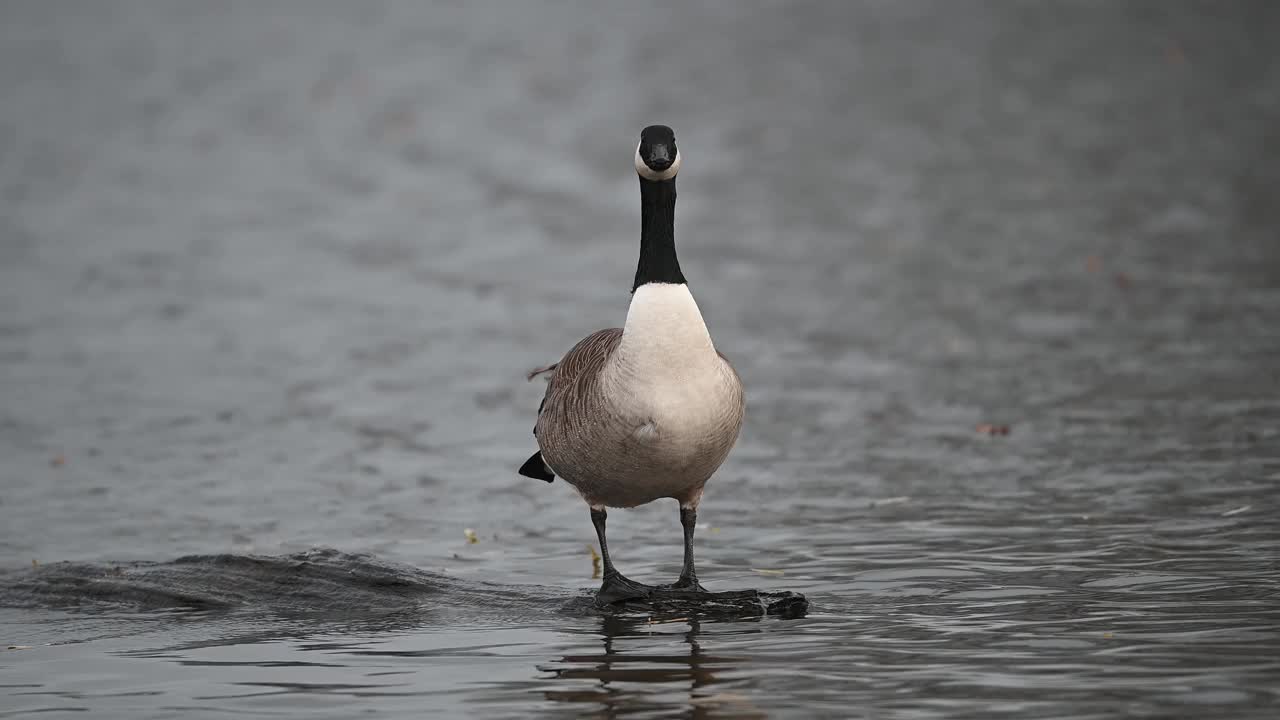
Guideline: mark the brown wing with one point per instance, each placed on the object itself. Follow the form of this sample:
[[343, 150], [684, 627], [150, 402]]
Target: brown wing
[[581, 363], [722, 357], [742, 397]]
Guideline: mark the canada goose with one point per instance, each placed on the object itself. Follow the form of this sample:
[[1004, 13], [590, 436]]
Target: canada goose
[[649, 410]]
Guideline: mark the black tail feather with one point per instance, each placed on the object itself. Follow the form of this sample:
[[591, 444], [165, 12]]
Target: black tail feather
[[536, 469]]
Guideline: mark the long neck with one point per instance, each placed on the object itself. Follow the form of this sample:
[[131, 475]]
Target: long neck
[[658, 262]]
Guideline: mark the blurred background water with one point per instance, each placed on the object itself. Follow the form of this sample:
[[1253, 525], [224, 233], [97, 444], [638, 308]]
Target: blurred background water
[[271, 274]]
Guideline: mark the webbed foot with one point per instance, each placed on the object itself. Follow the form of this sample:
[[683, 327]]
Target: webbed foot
[[684, 584], [620, 589]]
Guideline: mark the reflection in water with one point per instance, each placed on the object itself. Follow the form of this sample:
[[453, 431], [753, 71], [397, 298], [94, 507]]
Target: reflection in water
[[624, 681]]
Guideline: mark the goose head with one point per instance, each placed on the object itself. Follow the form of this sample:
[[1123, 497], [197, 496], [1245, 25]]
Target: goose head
[[657, 157]]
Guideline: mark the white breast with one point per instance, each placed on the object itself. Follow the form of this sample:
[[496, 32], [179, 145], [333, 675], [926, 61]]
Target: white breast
[[666, 369], [665, 338]]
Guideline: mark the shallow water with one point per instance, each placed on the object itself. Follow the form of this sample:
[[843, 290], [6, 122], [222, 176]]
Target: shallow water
[[270, 280]]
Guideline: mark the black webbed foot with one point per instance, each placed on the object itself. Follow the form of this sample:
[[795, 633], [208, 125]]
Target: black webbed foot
[[684, 585], [618, 588]]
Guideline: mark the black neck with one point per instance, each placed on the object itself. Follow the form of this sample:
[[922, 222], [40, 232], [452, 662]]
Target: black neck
[[658, 263]]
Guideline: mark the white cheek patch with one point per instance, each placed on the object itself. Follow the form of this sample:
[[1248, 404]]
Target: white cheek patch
[[648, 173]]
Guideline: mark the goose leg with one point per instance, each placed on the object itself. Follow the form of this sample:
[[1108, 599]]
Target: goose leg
[[615, 588], [688, 576]]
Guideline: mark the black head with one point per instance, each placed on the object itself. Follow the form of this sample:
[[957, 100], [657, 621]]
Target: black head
[[656, 156]]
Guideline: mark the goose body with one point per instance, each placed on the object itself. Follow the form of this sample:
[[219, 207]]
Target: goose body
[[643, 412], [649, 410]]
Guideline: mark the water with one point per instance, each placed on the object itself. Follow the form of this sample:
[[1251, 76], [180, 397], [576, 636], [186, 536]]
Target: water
[[270, 278]]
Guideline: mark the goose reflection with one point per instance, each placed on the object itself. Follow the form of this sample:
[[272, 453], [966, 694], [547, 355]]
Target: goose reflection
[[648, 667]]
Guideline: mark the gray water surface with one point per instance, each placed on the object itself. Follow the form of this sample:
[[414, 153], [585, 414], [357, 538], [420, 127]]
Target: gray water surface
[[271, 275]]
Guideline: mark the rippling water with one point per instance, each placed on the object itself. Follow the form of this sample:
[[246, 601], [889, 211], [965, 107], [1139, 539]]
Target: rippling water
[[270, 278]]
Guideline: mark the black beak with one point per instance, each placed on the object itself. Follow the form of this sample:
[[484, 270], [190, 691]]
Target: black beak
[[659, 158]]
